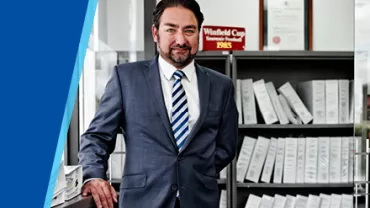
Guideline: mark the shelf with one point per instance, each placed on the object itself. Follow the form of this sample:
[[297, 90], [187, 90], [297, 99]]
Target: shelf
[[294, 55], [298, 185], [295, 126], [77, 202], [219, 181], [119, 153], [115, 181], [212, 55]]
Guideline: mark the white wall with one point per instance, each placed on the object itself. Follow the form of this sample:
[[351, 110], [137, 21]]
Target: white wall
[[333, 21], [333, 25], [102, 21], [237, 13], [117, 19]]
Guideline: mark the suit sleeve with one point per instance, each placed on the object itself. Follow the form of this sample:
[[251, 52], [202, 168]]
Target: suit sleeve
[[228, 132], [99, 140]]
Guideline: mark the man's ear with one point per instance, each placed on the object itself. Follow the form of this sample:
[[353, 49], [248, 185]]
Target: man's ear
[[155, 34]]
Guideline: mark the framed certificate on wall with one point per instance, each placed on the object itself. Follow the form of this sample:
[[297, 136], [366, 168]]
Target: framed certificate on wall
[[285, 24]]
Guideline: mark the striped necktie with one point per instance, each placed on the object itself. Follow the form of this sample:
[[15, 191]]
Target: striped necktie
[[180, 114]]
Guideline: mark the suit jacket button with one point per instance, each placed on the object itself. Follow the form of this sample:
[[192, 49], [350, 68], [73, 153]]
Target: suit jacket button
[[174, 187], [179, 158]]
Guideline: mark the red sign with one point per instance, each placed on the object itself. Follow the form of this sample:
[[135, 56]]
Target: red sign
[[223, 38]]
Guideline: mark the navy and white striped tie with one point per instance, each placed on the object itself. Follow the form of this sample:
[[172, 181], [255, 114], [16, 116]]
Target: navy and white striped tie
[[180, 114]]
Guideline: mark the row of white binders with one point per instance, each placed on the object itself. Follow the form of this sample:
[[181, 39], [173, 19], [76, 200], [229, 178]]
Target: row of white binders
[[300, 201], [315, 101], [296, 160]]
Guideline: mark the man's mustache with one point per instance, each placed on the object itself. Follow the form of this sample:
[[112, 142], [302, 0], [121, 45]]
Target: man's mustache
[[181, 47]]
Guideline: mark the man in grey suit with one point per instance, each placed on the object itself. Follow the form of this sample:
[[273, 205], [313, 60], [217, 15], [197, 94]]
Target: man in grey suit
[[179, 121]]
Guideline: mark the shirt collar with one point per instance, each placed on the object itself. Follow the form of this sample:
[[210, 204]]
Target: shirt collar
[[169, 69]]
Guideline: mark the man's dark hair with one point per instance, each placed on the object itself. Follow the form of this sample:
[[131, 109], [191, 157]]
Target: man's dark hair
[[192, 5]]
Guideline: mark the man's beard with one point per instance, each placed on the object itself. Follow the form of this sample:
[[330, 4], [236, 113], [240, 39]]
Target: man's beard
[[179, 60]]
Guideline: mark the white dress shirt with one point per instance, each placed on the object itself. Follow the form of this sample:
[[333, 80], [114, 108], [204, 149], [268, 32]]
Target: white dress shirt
[[189, 83]]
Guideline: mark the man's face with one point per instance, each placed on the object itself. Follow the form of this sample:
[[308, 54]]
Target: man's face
[[177, 36]]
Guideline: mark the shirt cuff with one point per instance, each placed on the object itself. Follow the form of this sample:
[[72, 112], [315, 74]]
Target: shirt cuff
[[87, 180]]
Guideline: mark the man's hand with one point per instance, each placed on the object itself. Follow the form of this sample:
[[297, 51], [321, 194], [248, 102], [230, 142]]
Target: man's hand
[[102, 192]]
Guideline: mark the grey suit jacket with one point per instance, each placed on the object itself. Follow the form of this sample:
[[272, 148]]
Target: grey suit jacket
[[154, 168]]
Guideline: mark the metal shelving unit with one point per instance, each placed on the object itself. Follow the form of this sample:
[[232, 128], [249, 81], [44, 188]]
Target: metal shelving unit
[[293, 55], [280, 67], [296, 185], [293, 126]]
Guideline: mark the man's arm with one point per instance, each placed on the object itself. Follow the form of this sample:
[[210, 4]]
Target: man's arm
[[98, 142], [228, 132]]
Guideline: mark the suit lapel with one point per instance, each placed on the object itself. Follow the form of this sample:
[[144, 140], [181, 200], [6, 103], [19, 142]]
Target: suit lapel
[[203, 88], [154, 83]]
